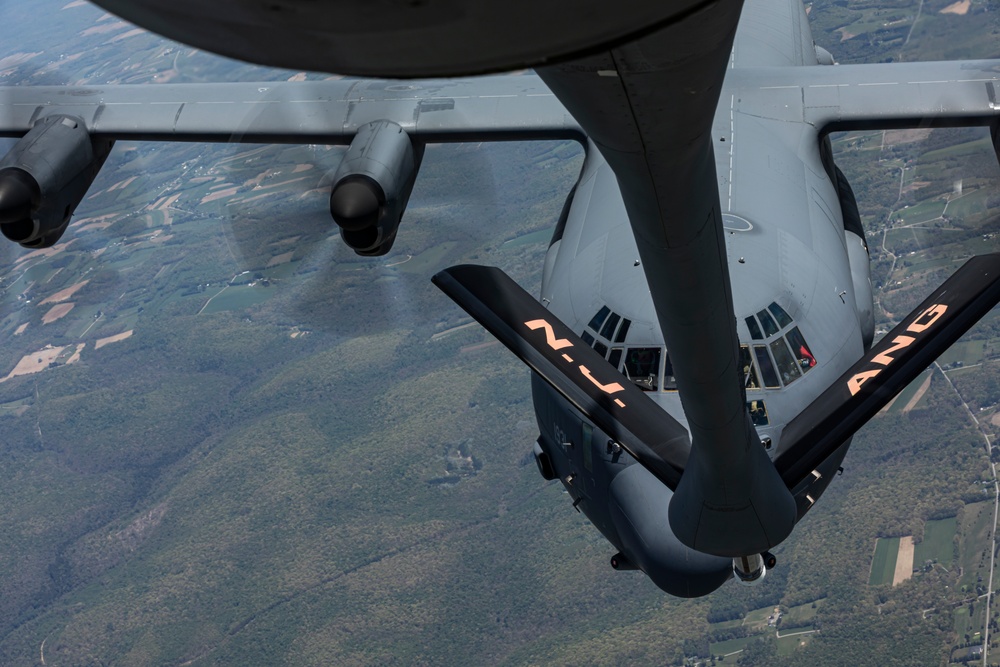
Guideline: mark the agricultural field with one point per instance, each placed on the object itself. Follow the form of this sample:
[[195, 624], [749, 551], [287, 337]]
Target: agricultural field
[[237, 298], [968, 624], [729, 647], [912, 395], [786, 628], [801, 616], [788, 645], [964, 353], [884, 561], [974, 555], [938, 543]]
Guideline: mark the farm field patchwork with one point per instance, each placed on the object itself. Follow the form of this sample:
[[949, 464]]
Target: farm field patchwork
[[884, 561], [938, 544]]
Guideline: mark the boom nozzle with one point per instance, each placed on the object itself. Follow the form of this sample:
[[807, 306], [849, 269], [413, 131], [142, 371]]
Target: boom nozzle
[[749, 570]]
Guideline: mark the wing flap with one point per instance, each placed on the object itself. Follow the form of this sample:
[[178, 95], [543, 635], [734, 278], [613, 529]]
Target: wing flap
[[571, 367]]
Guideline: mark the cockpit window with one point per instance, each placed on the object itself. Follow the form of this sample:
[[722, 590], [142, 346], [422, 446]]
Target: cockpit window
[[598, 319], [642, 367], [770, 328], [779, 314], [766, 367], [615, 357], [587, 338], [788, 368], [669, 381], [758, 413], [601, 348], [801, 350], [608, 330], [784, 359], [750, 380], [623, 330]]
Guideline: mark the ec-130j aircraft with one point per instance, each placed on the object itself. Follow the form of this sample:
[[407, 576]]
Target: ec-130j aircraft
[[702, 348]]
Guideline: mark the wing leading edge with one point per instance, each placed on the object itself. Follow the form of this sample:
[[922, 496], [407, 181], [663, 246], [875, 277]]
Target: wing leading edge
[[512, 107], [876, 96]]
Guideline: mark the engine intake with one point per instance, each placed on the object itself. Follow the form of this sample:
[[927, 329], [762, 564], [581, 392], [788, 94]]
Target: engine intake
[[373, 185], [44, 178]]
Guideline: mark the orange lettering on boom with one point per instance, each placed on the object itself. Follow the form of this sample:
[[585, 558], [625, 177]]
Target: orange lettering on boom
[[921, 323], [854, 384], [934, 313], [550, 335], [898, 343], [611, 388]]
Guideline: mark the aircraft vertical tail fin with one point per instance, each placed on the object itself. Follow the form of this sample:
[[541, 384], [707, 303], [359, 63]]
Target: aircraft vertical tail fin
[[888, 367]]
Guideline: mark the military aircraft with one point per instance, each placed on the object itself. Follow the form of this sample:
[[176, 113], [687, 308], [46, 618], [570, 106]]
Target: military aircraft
[[702, 347]]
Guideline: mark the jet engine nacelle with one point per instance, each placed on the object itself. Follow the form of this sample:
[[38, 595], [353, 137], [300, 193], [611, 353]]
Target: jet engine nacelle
[[44, 178], [372, 185]]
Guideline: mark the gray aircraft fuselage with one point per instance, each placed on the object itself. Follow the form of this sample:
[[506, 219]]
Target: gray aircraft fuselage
[[799, 280]]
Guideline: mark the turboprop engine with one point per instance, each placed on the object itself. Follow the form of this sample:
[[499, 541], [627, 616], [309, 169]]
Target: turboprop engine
[[44, 178], [372, 185]]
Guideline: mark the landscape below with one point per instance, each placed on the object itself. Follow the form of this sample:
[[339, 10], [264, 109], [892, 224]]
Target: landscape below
[[226, 439]]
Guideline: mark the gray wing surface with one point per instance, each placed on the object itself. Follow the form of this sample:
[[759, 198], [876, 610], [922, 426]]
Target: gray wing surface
[[513, 107], [880, 96]]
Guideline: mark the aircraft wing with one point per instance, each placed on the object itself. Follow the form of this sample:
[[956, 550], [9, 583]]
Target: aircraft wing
[[514, 107], [879, 96]]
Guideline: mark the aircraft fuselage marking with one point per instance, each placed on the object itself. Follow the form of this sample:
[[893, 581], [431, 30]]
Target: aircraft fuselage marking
[[922, 323]]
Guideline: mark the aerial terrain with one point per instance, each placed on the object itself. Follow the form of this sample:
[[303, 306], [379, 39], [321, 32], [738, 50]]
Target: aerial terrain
[[227, 440]]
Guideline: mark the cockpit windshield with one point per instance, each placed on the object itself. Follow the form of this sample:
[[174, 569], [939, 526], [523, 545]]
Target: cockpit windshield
[[750, 380], [642, 367], [758, 413], [770, 328], [800, 349], [598, 319], [783, 359], [785, 362], [608, 329]]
